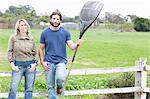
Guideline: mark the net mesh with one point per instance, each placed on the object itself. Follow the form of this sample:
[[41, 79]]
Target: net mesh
[[90, 10], [88, 14]]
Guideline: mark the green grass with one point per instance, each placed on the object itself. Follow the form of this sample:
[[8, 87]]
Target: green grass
[[74, 83], [110, 49], [99, 48]]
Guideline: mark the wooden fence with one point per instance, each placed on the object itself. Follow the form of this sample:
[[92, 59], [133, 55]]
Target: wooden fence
[[140, 89]]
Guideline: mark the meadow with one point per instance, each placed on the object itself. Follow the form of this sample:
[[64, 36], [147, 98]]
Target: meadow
[[99, 49]]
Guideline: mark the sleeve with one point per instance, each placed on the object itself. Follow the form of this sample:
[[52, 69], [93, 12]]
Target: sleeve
[[34, 49], [42, 38], [35, 52], [68, 36], [10, 49]]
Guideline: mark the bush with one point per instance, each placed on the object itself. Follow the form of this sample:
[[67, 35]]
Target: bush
[[142, 24], [125, 27], [123, 80], [86, 82]]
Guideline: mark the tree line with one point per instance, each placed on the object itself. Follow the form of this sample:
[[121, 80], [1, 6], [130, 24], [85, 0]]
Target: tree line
[[129, 21], [28, 12]]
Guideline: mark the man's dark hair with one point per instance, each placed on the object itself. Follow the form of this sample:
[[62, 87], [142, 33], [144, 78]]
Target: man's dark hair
[[56, 12]]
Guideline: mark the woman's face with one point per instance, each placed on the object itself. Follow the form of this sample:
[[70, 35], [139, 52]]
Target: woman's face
[[23, 28]]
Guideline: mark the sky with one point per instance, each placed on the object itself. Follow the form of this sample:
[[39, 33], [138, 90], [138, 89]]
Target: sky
[[72, 8]]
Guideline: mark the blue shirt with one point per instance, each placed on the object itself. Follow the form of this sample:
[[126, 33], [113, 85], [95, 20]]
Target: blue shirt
[[55, 44]]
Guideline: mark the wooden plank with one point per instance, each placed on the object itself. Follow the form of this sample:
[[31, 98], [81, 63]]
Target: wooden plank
[[141, 78], [4, 74], [87, 71], [104, 91], [147, 67], [146, 89], [82, 92]]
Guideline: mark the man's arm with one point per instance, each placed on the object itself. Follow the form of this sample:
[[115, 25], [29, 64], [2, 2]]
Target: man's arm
[[73, 45], [41, 56], [41, 53]]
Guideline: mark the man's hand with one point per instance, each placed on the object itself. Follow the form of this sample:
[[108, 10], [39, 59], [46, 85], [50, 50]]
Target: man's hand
[[45, 66], [33, 66], [78, 42], [14, 68]]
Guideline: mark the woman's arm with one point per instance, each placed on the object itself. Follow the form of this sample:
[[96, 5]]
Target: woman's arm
[[10, 49]]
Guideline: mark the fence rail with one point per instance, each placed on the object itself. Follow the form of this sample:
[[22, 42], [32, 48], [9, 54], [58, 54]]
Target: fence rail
[[82, 92], [89, 71], [140, 89]]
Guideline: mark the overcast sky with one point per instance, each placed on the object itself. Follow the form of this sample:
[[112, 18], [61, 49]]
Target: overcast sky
[[72, 8]]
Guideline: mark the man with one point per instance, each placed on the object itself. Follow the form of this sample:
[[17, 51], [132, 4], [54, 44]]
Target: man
[[52, 54]]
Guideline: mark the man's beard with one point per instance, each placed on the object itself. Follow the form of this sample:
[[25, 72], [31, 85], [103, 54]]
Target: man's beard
[[54, 25]]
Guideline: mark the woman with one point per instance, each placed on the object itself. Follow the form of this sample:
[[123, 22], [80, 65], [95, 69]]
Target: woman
[[21, 55]]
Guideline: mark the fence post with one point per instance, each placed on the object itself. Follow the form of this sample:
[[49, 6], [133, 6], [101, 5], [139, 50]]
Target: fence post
[[140, 78]]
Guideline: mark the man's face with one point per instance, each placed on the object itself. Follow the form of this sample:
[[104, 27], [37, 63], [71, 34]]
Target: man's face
[[55, 20]]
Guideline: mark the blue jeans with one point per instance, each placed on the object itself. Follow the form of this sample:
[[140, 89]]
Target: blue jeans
[[55, 77], [17, 76]]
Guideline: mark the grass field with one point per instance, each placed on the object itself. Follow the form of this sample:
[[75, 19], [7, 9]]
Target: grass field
[[99, 48]]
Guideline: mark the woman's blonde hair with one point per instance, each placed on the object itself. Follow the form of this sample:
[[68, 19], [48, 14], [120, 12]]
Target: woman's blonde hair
[[17, 31]]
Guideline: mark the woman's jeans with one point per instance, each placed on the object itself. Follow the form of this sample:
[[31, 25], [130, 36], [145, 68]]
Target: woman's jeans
[[17, 76], [55, 77]]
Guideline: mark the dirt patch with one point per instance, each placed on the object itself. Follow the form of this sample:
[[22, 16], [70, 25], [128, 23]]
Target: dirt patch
[[87, 62], [84, 62]]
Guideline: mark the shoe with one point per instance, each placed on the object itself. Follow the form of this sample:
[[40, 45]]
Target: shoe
[[60, 91]]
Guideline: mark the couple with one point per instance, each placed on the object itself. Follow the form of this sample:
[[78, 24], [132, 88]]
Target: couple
[[52, 53]]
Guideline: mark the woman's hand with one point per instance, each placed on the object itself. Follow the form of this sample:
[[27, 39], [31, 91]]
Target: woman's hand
[[14, 68], [33, 66]]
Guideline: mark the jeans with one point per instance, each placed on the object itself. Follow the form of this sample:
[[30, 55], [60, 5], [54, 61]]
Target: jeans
[[17, 76], [55, 77]]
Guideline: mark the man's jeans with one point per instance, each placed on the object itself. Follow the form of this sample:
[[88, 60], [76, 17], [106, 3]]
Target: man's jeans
[[17, 76], [55, 77]]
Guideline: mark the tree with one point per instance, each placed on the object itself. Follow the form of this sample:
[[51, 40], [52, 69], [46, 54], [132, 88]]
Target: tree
[[142, 24], [23, 11], [113, 18], [67, 19], [132, 17], [1, 13]]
